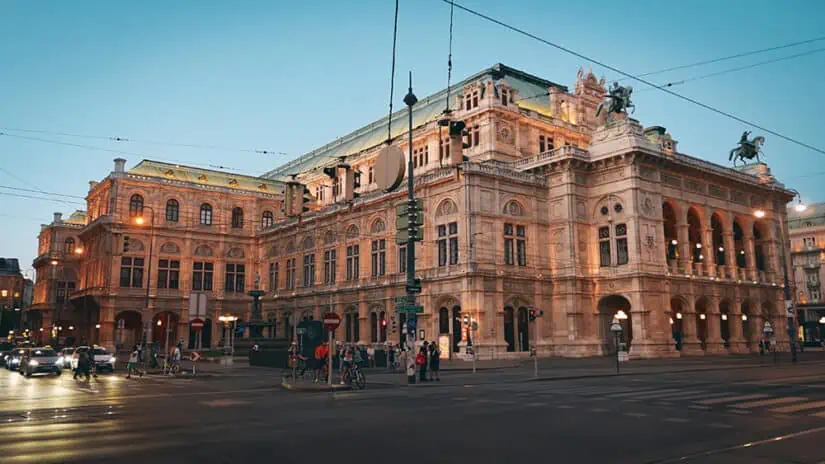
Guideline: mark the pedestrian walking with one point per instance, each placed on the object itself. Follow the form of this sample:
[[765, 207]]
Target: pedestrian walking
[[421, 362], [391, 358], [133, 360], [371, 356], [321, 353], [82, 365], [435, 360]]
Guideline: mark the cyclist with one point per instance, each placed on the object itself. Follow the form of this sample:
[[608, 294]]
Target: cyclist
[[346, 362]]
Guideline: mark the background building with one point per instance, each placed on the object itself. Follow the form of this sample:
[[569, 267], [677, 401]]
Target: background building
[[12, 296], [807, 232], [539, 203]]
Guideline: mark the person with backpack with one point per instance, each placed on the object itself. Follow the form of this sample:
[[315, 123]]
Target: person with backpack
[[421, 362], [435, 360]]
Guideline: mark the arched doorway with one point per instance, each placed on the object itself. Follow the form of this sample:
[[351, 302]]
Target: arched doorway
[[724, 323], [671, 233], [758, 249], [695, 235], [457, 329], [677, 309], [509, 329], [701, 315], [128, 330], [523, 329], [609, 308], [165, 330]]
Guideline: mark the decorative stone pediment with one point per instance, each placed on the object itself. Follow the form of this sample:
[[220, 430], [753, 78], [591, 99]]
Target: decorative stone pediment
[[170, 248], [236, 253], [203, 250]]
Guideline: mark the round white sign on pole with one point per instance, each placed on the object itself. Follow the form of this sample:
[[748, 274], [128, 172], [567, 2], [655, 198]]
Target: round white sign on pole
[[389, 168]]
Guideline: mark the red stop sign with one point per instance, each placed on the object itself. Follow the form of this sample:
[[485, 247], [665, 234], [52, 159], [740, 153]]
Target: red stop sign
[[331, 321]]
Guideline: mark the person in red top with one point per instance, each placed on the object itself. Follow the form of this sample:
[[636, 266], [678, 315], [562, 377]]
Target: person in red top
[[321, 353]]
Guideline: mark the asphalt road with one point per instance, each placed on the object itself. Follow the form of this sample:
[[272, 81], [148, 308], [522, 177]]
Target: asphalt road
[[756, 415]]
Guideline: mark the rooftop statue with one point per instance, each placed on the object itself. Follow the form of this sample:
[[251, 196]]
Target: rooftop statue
[[747, 149], [616, 101]]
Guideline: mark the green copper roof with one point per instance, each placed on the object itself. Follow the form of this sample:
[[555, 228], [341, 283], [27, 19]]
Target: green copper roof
[[208, 177], [427, 109]]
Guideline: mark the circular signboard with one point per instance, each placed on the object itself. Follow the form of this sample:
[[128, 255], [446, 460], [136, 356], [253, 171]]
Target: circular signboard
[[389, 168], [196, 324], [331, 321]]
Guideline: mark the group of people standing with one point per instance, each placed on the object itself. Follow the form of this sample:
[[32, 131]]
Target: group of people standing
[[429, 359]]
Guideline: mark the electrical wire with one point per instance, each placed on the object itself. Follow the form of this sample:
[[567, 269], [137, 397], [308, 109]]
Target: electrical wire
[[636, 78], [148, 142], [19, 189], [31, 197], [449, 59], [392, 73], [736, 69]]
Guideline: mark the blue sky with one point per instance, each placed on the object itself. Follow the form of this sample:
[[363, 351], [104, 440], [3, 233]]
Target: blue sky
[[291, 76]]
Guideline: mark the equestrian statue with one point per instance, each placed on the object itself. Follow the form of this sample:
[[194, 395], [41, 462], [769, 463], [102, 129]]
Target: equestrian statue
[[747, 149], [617, 101]]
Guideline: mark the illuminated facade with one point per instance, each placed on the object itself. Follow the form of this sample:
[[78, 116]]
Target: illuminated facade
[[807, 243], [537, 205]]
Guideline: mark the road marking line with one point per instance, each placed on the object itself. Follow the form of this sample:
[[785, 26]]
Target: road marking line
[[769, 402], [719, 425], [800, 407], [678, 420], [635, 414], [630, 400], [599, 410], [731, 399], [701, 408], [739, 411], [705, 396], [643, 393], [819, 414], [565, 406], [670, 396], [536, 405]]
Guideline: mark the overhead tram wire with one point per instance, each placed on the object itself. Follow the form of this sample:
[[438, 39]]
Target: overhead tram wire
[[638, 79], [392, 73], [148, 142], [736, 69], [20, 189]]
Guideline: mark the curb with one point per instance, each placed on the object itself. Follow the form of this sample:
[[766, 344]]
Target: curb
[[325, 389]]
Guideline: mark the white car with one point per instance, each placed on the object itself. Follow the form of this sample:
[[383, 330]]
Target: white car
[[103, 360]]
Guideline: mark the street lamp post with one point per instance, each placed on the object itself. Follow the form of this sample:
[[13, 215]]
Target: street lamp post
[[616, 329], [140, 220]]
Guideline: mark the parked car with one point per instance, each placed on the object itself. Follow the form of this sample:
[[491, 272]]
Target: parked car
[[13, 362], [103, 360], [64, 357], [5, 350]]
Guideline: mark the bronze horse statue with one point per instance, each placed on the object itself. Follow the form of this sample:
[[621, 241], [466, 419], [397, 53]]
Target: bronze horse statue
[[747, 149], [616, 101]]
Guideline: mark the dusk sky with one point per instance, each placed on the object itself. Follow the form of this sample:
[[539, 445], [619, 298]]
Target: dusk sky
[[292, 76]]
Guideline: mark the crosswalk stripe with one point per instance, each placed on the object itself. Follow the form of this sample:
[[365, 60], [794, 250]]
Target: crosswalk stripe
[[800, 407], [770, 402], [700, 396], [674, 395], [643, 393], [819, 414], [731, 399]]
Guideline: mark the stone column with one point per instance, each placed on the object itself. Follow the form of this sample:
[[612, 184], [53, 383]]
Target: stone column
[[750, 253], [715, 343], [690, 341], [685, 261], [709, 252], [736, 340], [363, 322], [730, 253], [756, 324]]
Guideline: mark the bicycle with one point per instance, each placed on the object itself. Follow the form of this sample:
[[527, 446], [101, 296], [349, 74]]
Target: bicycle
[[355, 377]]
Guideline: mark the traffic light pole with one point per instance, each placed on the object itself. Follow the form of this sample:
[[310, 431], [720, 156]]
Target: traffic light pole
[[410, 100]]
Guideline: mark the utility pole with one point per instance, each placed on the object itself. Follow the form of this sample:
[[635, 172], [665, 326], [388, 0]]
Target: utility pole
[[410, 100]]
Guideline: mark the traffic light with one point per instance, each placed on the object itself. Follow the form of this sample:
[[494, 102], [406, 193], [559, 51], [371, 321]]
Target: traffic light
[[394, 324], [383, 322], [534, 313], [125, 243]]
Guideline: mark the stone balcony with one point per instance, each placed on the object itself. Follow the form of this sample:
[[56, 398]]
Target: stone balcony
[[721, 272]]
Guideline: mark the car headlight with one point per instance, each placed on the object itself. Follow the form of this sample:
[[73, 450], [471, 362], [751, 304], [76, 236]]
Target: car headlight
[[112, 360], [60, 360], [33, 362]]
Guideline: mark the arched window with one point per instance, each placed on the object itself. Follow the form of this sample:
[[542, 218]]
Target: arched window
[[206, 214], [136, 205], [172, 211], [267, 219], [68, 246], [237, 218]]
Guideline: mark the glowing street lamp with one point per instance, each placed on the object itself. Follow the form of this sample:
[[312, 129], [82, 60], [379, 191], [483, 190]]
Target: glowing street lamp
[[759, 213], [53, 262]]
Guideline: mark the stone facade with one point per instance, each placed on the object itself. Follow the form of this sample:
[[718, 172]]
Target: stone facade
[[807, 236], [538, 205]]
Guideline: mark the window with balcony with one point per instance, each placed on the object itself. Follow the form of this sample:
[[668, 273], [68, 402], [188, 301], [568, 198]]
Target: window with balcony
[[309, 270], [353, 262], [371, 175], [267, 219], [329, 266], [64, 291], [472, 136], [447, 243], [206, 214], [809, 242], [444, 149], [515, 244], [237, 218], [233, 279], [68, 246], [273, 276], [505, 96], [545, 143], [202, 276], [168, 273], [136, 206], [290, 273], [379, 257], [421, 156], [131, 272], [172, 211]]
